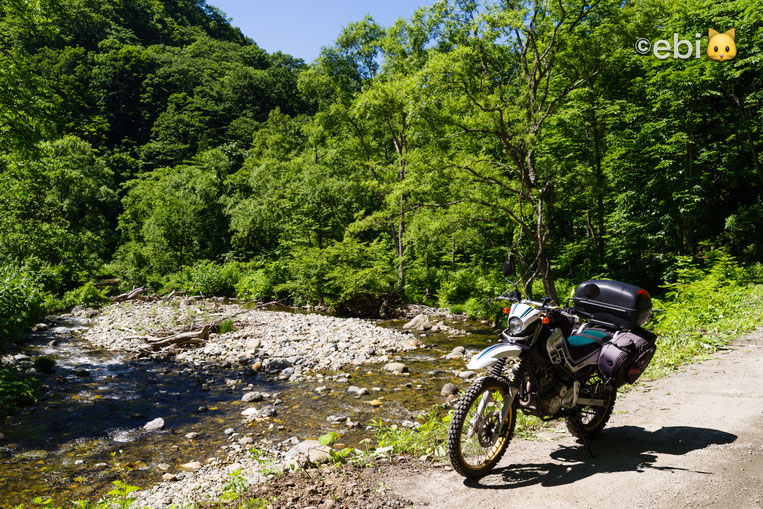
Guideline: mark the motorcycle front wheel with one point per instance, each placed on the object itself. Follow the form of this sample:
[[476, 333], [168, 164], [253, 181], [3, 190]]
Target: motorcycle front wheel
[[476, 437]]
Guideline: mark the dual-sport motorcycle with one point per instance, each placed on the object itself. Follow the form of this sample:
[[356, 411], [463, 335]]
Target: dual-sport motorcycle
[[552, 362]]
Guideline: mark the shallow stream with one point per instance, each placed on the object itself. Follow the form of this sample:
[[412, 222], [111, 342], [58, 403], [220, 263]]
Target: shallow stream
[[95, 404]]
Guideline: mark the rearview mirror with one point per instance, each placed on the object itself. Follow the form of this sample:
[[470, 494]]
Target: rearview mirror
[[508, 268]]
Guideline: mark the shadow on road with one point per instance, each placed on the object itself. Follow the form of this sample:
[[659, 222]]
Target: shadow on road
[[620, 449]]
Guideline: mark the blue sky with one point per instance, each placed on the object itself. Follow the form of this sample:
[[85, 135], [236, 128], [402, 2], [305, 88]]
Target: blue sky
[[301, 28]]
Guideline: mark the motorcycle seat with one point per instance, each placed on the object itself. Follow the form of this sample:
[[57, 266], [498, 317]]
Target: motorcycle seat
[[587, 341]]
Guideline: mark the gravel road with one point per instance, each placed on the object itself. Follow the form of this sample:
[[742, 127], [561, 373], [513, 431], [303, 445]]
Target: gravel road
[[694, 439]]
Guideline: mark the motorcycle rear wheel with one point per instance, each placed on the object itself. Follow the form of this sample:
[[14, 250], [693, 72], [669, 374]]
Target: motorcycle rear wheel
[[474, 449], [594, 418]]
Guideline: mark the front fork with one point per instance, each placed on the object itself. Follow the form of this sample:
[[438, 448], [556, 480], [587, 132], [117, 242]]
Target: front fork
[[496, 371]]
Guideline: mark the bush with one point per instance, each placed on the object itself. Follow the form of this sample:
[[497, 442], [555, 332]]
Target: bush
[[22, 301], [255, 285], [207, 278], [472, 283], [86, 295], [706, 305], [16, 391], [345, 275]]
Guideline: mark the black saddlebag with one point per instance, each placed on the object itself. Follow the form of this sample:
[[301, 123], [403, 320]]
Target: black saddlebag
[[626, 356]]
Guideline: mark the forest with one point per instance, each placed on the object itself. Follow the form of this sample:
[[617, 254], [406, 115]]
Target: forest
[[152, 142]]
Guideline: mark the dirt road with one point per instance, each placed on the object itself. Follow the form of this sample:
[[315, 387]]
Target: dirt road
[[692, 440]]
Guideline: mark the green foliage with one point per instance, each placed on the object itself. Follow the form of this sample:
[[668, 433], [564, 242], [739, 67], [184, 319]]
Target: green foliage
[[16, 391], [328, 438], [22, 301], [343, 275], [234, 487], [706, 305], [55, 208], [226, 326], [429, 438], [155, 143], [256, 285], [209, 278], [86, 295], [457, 309]]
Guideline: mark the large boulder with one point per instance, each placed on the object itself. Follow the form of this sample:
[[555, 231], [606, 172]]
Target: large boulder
[[420, 322]]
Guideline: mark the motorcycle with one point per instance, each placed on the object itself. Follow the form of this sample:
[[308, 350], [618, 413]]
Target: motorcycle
[[552, 362]]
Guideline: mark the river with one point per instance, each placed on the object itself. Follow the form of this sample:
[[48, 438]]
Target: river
[[96, 402]]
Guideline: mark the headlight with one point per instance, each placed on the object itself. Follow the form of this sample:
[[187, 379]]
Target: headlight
[[515, 325]]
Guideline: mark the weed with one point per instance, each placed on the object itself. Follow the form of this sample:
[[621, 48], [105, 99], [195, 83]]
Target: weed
[[234, 487], [226, 326]]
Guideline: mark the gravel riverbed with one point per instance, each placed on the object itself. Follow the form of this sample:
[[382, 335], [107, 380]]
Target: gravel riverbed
[[277, 342]]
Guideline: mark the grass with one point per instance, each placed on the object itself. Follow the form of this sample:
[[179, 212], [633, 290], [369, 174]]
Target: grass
[[226, 326], [703, 311], [429, 438]]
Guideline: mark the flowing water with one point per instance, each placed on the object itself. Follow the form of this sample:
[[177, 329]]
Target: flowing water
[[96, 402]]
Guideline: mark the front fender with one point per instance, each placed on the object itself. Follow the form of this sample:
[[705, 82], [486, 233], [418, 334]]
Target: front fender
[[492, 353]]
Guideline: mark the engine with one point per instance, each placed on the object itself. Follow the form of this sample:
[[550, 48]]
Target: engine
[[561, 396]]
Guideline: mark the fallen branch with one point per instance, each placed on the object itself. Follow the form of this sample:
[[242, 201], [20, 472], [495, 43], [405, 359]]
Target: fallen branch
[[131, 295]]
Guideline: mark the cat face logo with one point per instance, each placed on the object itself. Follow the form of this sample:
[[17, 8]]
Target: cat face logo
[[721, 47]]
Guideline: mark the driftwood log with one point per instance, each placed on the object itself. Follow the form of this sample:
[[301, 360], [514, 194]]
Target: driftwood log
[[131, 295], [184, 339], [180, 339]]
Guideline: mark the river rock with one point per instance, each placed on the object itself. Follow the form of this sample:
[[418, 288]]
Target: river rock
[[448, 389], [275, 364], [268, 411], [191, 435], [62, 331], [249, 412], [250, 397], [191, 466], [154, 425], [396, 367], [245, 440], [230, 431], [169, 477], [456, 353], [466, 374], [319, 454], [301, 448], [419, 322]]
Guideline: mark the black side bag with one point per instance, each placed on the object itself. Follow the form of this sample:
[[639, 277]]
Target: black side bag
[[626, 356]]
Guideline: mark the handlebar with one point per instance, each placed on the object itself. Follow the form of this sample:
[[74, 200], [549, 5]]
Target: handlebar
[[540, 305], [559, 309]]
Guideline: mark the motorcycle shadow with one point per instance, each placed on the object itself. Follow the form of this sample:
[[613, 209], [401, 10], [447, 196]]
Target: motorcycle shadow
[[620, 449]]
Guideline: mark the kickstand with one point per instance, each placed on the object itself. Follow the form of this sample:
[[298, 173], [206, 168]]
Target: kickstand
[[583, 434]]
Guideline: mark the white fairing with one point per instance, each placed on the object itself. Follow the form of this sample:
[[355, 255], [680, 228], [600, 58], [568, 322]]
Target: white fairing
[[491, 354], [527, 314]]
